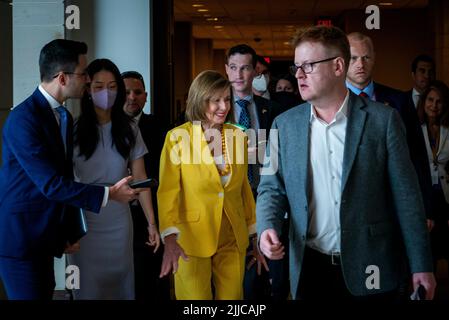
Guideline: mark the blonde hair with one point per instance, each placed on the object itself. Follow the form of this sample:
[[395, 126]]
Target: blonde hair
[[202, 89]]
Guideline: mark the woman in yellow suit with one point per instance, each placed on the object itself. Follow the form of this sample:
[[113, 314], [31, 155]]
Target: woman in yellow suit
[[206, 207]]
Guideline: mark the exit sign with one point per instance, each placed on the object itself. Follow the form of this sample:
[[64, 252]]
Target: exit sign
[[324, 22]]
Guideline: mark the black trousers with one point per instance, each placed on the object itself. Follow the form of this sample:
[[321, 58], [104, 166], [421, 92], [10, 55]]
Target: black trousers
[[320, 279]]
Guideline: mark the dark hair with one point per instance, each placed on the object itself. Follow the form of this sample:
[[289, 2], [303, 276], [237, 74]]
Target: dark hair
[[86, 130], [133, 75], [242, 49], [261, 60], [443, 91], [330, 37], [59, 55], [289, 78], [422, 58]]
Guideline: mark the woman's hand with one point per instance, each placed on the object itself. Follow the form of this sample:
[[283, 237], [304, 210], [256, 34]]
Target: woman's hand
[[154, 240], [172, 252]]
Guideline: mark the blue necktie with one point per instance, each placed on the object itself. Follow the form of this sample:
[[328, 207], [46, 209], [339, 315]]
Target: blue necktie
[[64, 127], [245, 118]]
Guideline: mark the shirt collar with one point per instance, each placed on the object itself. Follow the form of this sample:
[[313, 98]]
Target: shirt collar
[[247, 98], [369, 89], [51, 101], [137, 118], [341, 113], [415, 92]]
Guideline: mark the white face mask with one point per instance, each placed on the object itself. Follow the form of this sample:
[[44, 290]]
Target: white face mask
[[260, 82]]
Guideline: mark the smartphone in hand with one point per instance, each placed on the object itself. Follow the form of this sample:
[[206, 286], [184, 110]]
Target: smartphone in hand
[[147, 183]]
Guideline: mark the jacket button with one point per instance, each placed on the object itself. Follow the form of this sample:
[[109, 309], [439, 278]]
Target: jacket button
[[220, 194]]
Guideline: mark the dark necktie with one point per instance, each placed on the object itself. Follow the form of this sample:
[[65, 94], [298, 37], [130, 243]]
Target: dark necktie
[[364, 94], [245, 118], [65, 125]]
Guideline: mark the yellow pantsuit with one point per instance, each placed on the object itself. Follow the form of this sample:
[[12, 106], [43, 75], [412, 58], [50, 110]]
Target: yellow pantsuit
[[213, 220]]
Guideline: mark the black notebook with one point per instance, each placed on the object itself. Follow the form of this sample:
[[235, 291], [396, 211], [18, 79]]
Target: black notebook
[[74, 224]]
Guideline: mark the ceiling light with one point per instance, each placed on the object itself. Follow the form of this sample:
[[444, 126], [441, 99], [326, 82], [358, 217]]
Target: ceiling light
[[212, 19], [286, 43], [202, 10], [385, 3], [197, 5], [218, 27]]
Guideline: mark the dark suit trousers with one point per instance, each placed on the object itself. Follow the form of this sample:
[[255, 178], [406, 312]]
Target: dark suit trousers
[[322, 280], [28, 279]]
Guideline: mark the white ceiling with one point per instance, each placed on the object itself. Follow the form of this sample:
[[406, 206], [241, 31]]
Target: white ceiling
[[273, 21]]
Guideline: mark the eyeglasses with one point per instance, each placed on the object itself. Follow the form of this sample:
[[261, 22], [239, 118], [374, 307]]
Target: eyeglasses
[[308, 66], [82, 74]]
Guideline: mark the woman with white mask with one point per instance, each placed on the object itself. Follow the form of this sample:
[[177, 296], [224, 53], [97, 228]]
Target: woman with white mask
[[107, 147]]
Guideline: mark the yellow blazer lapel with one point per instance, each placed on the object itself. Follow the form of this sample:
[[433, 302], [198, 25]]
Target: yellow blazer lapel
[[202, 152]]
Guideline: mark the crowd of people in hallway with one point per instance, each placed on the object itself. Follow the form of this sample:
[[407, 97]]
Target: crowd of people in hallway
[[318, 183]]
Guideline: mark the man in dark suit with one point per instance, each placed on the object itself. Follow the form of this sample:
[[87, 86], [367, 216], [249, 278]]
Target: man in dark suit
[[254, 113], [36, 179], [359, 80], [147, 263], [423, 72], [344, 172]]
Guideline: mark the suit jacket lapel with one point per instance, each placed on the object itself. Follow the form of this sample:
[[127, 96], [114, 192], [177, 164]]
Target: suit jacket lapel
[[443, 136], [354, 131], [262, 112], [301, 149], [202, 152], [49, 118]]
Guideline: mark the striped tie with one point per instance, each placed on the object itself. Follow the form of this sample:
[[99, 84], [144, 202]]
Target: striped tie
[[245, 118]]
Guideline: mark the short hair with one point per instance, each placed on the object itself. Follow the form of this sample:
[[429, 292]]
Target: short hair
[[242, 49], [262, 60], [59, 55], [330, 37], [443, 91], [133, 75], [358, 36], [203, 87], [422, 58]]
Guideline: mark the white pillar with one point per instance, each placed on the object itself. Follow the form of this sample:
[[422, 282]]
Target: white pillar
[[34, 24], [117, 30]]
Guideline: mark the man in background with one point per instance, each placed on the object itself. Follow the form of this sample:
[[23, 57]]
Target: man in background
[[359, 80], [147, 263]]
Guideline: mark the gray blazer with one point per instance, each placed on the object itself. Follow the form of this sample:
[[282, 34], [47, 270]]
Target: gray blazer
[[381, 213]]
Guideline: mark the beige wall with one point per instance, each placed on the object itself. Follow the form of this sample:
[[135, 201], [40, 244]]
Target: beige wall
[[403, 35]]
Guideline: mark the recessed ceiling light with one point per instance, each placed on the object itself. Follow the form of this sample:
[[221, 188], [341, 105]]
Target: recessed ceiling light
[[202, 10], [218, 27], [212, 19], [206, 15], [197, 5], [286, 43], [385, 3]]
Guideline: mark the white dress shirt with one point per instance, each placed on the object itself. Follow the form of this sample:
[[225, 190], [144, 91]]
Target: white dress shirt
[[55, 104], [327, 144], [415, 97]]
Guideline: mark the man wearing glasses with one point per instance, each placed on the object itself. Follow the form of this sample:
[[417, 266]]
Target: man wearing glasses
[[37, 191], [345, 173]]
